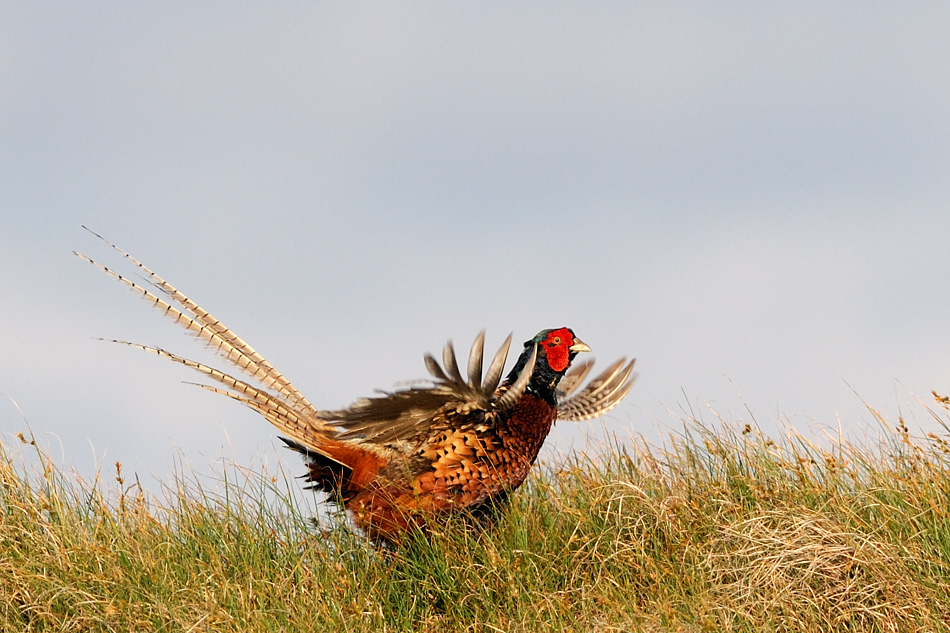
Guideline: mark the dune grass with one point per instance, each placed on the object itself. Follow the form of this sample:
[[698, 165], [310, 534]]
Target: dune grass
[[720, 529]]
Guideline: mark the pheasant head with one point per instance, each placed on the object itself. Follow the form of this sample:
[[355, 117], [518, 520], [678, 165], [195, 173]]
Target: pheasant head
[[556, 349]]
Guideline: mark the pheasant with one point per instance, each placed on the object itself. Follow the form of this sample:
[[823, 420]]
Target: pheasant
[[399, 460]]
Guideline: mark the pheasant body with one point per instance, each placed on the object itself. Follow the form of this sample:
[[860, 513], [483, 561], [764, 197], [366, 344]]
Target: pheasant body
[[399, 460]]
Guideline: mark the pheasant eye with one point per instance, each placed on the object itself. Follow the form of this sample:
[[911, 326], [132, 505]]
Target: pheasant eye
[[557, 340]]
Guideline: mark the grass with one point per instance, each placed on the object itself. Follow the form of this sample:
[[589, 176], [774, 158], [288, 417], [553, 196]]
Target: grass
[[722, 528]]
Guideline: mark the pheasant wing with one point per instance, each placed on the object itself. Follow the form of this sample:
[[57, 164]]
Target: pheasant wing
[[600, 395], [408, 413], [573, 379]]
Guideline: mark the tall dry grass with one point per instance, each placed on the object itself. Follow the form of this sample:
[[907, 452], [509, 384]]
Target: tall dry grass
[[720, 528]]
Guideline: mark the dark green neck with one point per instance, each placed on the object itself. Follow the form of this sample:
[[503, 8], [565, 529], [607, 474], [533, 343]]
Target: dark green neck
[[543, 379]]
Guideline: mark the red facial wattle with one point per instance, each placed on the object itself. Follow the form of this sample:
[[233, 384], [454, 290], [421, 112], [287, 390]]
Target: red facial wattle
[[558, 348]]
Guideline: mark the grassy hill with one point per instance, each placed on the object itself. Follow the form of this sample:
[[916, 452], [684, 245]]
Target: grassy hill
[[720, 529]]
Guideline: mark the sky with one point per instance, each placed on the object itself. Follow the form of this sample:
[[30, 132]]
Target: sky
[[753, 200]]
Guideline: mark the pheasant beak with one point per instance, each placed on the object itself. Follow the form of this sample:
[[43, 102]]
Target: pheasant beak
[[579, 346]]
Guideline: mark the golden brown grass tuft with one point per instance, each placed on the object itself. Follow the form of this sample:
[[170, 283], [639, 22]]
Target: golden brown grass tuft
[[808, 571]]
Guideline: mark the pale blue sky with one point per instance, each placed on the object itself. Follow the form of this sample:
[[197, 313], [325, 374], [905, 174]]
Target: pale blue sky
[[750, 199]]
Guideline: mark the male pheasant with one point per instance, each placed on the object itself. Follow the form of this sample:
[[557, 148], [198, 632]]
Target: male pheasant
[[398, 460]]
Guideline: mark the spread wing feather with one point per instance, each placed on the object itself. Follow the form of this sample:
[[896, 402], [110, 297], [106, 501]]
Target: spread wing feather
[[475, 359], [405, 414], [573, 378], [600, 395]]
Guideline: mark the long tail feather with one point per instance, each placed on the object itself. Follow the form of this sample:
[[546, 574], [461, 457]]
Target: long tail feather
[[309, 430], [200, 322]]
